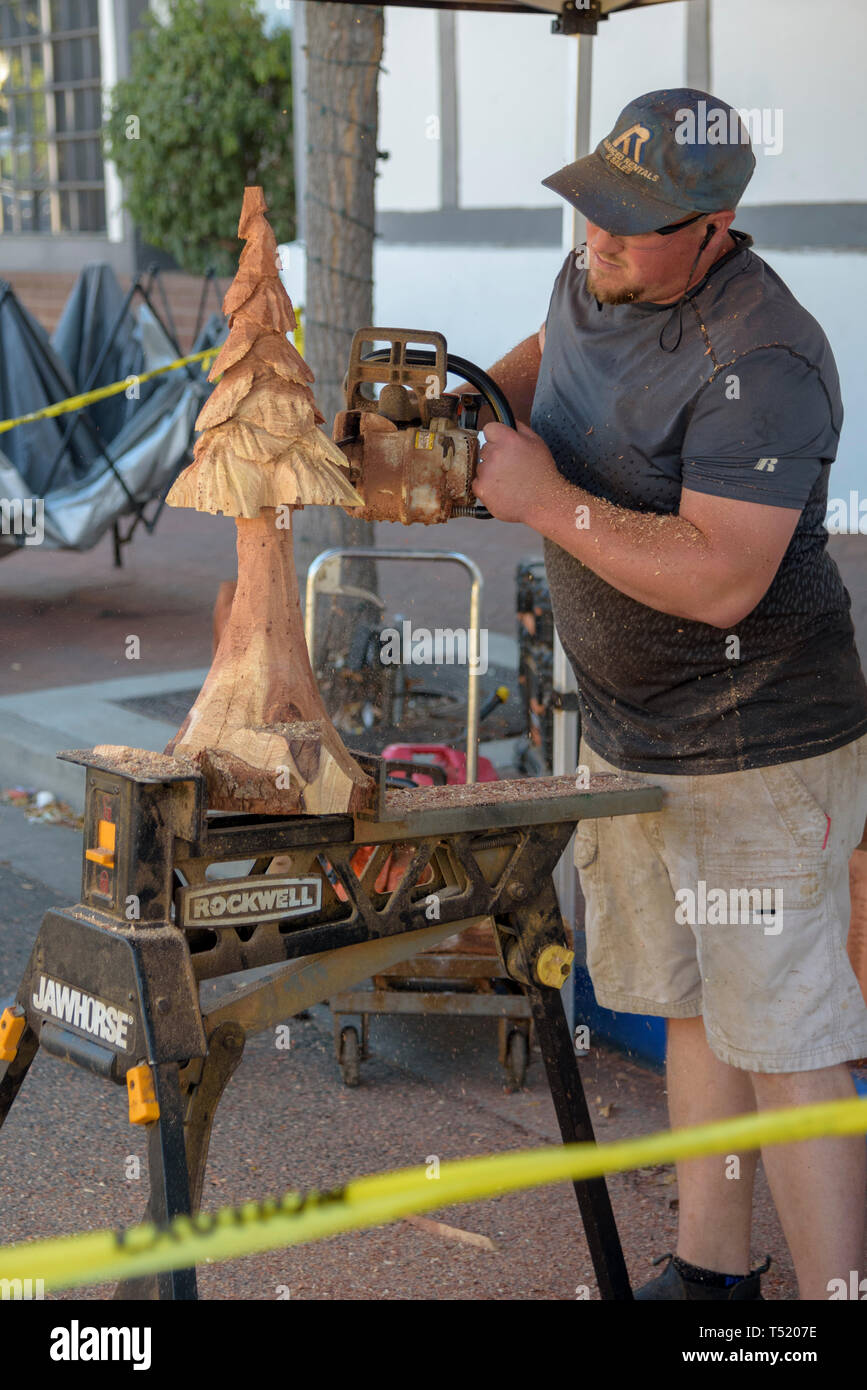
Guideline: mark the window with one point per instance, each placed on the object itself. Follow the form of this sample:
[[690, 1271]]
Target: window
[[51, 169]]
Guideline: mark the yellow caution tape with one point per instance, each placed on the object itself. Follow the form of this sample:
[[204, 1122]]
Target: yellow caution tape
[[100, 393], [103, 1256]]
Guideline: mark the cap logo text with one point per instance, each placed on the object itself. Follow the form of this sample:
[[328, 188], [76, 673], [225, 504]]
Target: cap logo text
[[640, 134], [619, 159]]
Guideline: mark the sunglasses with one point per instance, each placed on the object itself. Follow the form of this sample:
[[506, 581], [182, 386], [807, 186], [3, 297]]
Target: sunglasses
[[676, 226]]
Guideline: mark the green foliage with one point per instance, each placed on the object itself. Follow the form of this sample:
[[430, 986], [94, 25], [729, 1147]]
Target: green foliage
[[205, 111]]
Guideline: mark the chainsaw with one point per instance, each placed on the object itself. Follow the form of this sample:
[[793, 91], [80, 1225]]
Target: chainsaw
[[413, 450]]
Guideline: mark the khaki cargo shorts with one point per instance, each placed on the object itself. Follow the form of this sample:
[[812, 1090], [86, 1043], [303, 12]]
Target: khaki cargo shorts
[[732, 903]]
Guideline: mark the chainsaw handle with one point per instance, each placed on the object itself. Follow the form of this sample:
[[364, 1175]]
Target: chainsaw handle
[[492, 393], [459, 366]]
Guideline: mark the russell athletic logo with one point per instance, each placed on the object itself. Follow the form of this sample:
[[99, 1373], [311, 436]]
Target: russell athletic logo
[[247, 900], [83, 1011]]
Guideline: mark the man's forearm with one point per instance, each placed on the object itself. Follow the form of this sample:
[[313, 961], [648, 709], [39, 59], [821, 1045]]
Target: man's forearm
[[516, 375], [660, 560]]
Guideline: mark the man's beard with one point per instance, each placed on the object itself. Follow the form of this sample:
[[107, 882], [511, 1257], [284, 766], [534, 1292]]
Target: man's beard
[[627, 294]]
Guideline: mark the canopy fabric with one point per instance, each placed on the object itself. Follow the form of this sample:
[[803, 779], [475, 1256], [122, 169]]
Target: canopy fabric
[[515, 6], [32, 375], [88, 317], [146, 436]]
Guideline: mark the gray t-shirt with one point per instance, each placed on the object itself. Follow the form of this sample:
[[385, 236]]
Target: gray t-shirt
[[746, 405]]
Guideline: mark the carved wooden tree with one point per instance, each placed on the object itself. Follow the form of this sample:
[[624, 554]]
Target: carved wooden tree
[[259, 731]]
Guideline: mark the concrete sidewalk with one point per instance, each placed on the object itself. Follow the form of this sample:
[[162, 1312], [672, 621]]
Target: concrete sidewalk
[[65, 617], [36, 725], [141, 711], [65, 620]]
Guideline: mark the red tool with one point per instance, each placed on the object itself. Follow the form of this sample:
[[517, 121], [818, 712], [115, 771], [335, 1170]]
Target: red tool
[[451, 760]]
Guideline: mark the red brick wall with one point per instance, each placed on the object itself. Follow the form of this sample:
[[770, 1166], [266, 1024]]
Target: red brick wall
[[45, 293]]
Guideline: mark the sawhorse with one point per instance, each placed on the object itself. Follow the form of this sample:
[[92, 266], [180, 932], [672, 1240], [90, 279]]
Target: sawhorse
[[112, 984]]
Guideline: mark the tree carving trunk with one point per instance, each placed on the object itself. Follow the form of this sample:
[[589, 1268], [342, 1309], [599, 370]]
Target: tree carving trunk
[[259, 730]]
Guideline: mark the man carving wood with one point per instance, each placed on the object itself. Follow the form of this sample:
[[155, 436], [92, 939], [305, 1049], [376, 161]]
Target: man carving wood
[[685, 410]]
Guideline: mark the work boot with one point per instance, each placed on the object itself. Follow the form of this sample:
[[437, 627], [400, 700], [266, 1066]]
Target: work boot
[[671, 1285]]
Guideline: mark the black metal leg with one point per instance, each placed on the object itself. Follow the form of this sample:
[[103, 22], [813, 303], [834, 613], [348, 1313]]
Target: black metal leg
[[576, 1127], [225, 1047], [16, 1071], [169, 1179], [170, 1189]]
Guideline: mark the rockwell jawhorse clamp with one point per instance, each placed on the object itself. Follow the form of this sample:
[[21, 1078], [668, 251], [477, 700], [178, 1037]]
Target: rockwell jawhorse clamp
[[118, 983]]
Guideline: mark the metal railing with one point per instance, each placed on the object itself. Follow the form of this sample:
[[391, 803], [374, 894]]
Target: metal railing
[[473, 631]]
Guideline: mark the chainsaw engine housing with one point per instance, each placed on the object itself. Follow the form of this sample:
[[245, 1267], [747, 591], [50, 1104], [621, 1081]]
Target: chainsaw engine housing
[[409, 455]]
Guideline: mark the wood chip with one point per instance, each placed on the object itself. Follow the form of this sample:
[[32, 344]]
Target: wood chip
[[439, 1228]]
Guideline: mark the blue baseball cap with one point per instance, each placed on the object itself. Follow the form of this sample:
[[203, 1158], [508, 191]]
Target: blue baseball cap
[[671, 153]]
